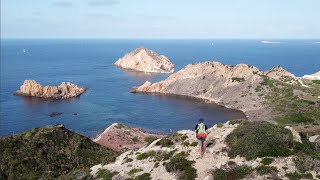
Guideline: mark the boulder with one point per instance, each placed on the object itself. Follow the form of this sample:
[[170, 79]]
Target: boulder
[[145, 60]]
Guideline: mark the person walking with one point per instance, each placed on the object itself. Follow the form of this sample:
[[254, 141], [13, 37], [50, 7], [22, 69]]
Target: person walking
[[201, 134]]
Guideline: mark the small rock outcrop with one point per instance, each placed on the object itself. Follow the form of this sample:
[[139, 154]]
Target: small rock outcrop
[[281, 74], [145, 60], [54, 114], [121, 138], [64, 91]]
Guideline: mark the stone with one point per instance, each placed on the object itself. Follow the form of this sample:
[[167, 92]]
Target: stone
[[145, 60], [295, 134], [64, 91], [54, 114]]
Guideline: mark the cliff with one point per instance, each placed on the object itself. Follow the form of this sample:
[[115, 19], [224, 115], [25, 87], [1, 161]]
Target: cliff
[[145, 60], [64, 91], [50, 153], [241, 87]]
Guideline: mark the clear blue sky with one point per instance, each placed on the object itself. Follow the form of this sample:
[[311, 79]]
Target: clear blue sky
[[160, 19]]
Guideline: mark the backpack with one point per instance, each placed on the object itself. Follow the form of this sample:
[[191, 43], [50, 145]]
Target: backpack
[[201, 131]]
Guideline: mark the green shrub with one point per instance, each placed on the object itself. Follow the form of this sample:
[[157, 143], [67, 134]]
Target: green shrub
[[267, 161], [128, 160], [156, 165], [194, 143], [239, 172], [164, 142], [259, 139], [297, 176], [134, 170], [186, 143], [295, 118], [120, 126], [220, 125], [237, 121], [237, 79], [146, 155], [164, 155], [180, 164], [316, 81], [144, 176], [262, 170], [105, 174], [135, 139], [150, 139]]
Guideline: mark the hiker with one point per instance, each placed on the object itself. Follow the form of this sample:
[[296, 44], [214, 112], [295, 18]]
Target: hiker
[[201, 133]]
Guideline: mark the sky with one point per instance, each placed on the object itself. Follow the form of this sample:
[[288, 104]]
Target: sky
[[160, 19]]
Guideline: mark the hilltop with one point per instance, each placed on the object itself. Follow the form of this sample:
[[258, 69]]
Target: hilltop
[[50, 153]]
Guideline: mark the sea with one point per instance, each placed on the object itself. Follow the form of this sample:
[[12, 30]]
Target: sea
[[89, 63]]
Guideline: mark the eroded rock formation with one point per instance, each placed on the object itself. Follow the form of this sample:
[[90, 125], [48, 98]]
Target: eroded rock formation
[[64, 91], [145, 60]]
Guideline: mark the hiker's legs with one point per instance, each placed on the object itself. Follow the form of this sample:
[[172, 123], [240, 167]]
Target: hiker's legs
[[202, 148], [200, 145]]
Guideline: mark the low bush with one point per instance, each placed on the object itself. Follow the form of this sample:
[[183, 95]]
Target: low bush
[[183, 167], [134, 170], [194, 143], [164, 142], [297, 176], [144, 176], [220, 125], [295, 118], [239, 172], [237, 79], [267, 161], [105, 174], [150, 139], [266, 169], [146, 155], [237, 121], [259, 139]]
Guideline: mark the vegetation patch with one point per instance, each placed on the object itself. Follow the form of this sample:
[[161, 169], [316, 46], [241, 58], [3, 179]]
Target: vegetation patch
[[105, 174], [183, 167], [297, 176], [237, 121], [260, 139], [316, 81], [262, 170], [239, 172], [121, 126], [135, 139], [144, 176], [220, 125], [267, 161], [146, 155], [50, 153], [163, 155], [237, 79], [164, 142], [150, 139], [134, 170]]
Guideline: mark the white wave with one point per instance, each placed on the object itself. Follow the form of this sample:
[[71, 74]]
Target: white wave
[[271, 42]]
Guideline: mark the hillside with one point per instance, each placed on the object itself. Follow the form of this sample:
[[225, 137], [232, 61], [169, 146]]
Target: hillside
[[50, 153]]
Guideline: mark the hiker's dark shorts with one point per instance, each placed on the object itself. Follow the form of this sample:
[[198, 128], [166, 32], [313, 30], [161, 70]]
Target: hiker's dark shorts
[[200, 142]]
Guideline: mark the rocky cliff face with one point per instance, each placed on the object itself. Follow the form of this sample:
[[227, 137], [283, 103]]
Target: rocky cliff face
[[64, 91], [145, 60], [231, 86], [315, 76]]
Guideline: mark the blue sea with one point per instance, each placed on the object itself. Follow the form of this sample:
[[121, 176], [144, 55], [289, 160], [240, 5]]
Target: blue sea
[[89, 63]]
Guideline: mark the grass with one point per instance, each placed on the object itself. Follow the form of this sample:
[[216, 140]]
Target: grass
[[259, 139], [183, 167], [237, 79], [105, 174], [50, 153], [237, 121], [134, 170], [297, 176], [150, 139], [239, 172], [267, 161], [316, 81]]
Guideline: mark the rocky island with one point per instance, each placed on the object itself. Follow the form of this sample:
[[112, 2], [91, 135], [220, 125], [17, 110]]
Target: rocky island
[[260, 95], [145, 60], [64, 91]]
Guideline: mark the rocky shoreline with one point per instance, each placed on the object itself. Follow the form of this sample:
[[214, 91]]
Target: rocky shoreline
[[64, 91]]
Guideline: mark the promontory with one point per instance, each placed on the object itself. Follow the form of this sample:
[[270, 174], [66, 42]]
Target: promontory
[[64, 91], [260, 95], [145, 60]]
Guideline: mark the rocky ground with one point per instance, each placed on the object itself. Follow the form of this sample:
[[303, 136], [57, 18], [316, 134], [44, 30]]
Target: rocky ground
[[64, 91], [145, 60], [122, 138], [152, 160]]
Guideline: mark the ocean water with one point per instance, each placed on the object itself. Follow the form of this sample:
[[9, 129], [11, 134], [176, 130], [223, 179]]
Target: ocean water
[[90, 63]]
